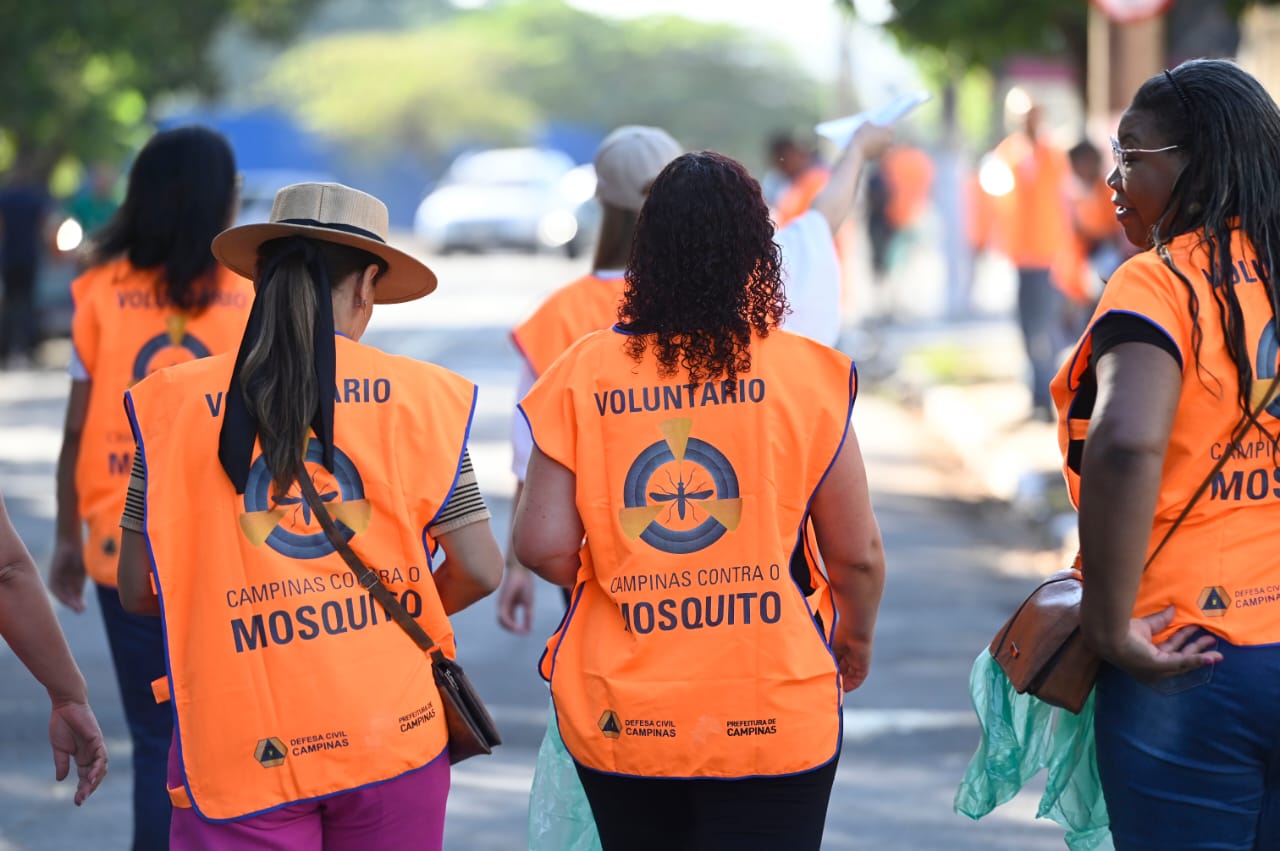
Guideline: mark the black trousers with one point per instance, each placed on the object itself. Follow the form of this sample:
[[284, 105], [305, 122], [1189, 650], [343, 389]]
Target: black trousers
[[18, 319], [755, 814]]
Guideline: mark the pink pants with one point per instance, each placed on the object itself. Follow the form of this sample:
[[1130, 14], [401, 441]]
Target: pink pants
[[404, 813]]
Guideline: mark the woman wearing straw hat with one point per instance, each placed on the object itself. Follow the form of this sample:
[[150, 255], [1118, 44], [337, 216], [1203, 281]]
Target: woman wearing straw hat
[[304, 716], [154, 297]]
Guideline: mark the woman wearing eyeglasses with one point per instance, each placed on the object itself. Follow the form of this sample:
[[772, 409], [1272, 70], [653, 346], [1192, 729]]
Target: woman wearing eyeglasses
[[1176, 372]]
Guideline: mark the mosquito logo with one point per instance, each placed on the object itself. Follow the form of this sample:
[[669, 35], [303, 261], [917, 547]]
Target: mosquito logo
[[680, 496], [681, 493], [287, 524]]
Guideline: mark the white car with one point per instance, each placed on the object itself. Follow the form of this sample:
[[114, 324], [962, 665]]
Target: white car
[[525, 198]]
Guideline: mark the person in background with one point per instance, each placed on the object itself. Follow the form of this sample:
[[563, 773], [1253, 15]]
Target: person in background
[[1034, 226], [306, 720], [1175, 374], [1088, 258], [24, 222], [95, 202], [740, 437], [805, 175], [626, 164], [29, 627], [154, 297]]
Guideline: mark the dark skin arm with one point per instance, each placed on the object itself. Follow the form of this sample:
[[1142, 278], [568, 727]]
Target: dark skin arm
[[1138, 389], [66, 574]]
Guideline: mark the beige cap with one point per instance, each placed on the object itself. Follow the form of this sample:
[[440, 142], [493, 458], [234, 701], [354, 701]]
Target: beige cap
[[627, 162], [333, 213]]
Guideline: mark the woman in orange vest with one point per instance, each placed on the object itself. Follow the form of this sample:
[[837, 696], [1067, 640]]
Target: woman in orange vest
[[696, 689], [155, 296], [338, 737], [30, 628], [1170, 390], [626, 164]]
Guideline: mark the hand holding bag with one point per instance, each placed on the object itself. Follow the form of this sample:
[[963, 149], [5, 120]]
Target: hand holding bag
[[1041, 649], [471, 729]]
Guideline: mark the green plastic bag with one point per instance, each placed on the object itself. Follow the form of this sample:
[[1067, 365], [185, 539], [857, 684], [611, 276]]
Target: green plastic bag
[[1022, 735], [559, 816]]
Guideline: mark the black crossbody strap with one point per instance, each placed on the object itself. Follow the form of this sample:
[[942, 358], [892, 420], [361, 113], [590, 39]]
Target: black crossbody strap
[[367, 578], [1217, 468]]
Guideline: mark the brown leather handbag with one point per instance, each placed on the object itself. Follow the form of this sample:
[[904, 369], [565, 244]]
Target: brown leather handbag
[[1041, 649], [471, 728]]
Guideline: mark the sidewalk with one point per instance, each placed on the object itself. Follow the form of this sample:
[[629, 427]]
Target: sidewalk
[[966, 380]]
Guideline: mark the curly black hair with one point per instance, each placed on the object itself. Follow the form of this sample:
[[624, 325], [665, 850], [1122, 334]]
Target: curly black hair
[[705, 273]]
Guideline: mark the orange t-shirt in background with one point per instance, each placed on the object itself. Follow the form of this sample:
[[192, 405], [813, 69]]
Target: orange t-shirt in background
[[1034, 221]]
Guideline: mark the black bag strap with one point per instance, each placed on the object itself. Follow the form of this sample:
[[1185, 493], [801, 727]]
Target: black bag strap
[[368, 579], [1217, 468]]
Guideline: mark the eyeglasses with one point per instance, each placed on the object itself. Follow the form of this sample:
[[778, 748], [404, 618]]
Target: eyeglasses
[[1121, 155]]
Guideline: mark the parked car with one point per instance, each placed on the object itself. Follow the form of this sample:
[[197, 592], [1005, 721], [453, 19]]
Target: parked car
[[523, 198]]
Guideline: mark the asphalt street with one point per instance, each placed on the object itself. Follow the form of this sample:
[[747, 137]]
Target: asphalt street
[[958, 562]]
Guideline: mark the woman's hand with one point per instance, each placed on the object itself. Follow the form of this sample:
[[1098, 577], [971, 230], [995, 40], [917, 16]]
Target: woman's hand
[[853, 655], [74, 734], [515, 598], [1137, 654], [67, 576]]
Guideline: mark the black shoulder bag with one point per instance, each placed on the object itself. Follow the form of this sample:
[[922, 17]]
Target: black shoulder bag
[[471, 728]]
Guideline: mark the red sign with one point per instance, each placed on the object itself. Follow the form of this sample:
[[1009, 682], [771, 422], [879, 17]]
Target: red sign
[[1132, 11]]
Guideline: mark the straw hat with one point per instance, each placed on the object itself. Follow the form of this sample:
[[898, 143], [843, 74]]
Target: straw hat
[[333, 213], [628, 160]]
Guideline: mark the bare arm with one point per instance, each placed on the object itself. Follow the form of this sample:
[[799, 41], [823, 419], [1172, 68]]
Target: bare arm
[[66, 575], [835, 201], [517, 594], [548, 531], [133, 575], [28, 624], [850, 543], [472, 566], [1138, 390]]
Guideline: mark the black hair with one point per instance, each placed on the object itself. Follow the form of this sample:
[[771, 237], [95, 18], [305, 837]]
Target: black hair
[[1228, 129], [181, 190], [1083, 149], [279, 373], [705, 273]]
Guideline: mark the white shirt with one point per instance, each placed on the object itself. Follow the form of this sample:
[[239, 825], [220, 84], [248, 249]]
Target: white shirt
[[811, 279]]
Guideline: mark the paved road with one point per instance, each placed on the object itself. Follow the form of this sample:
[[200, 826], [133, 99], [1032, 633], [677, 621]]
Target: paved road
[[954, 565]]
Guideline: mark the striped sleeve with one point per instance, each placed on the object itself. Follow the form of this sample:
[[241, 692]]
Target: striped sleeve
[[134, 514], [465, 504]]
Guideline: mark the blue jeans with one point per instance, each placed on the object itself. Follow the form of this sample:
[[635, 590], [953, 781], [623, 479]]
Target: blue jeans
[[1193, 761], [137, 650]]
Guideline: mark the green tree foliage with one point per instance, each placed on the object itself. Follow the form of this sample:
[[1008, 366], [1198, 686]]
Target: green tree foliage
[[493, 76], [77, 76]]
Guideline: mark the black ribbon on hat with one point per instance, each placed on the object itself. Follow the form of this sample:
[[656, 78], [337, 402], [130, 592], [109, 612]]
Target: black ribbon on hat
[[240, 428]]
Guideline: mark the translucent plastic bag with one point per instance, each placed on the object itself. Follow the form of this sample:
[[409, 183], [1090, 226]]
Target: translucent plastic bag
[[559, 815], [1022, 735]]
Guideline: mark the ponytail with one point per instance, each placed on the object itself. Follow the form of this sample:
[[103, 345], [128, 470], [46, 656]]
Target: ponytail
[[281, 391], [282, 387]]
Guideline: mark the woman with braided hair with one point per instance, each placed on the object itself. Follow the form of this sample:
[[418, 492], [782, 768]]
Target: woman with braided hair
[[1169, 429]]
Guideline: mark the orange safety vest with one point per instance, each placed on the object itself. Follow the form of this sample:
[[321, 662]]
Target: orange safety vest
[[123, 331], [690, 649], [288, 681], [1219, 568], [570, 313], [1033, 217]]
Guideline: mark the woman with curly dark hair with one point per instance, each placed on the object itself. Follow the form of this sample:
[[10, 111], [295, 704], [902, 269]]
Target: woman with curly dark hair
[[697, 677]]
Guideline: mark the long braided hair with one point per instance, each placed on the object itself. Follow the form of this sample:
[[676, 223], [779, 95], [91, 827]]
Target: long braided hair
[[1229, 129]]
